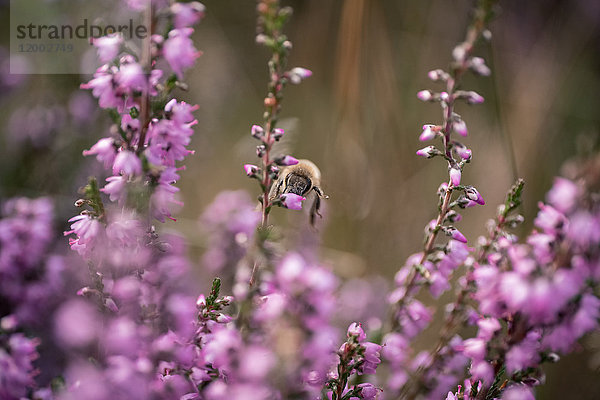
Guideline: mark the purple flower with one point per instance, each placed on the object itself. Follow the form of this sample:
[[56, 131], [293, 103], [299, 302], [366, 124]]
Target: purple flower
[[355, 329], [473, 194], [179, 50], [564, 194], [257, 131], [127, 163], [474, 98], [457, 235], [108, 47], [104, 150], [518, 392], [463, 152], [371, 358], [286, 160], [251, 170], [298, 74], [424, 95], [455, 176], [460, 127], [427, 152], [187, 14], [428, 133], [368, 391], [292, 201]]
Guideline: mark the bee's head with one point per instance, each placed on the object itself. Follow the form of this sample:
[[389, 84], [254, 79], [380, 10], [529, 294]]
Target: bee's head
[[297, 184]]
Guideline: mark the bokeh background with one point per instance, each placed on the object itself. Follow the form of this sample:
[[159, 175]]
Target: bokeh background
[[357, 118]]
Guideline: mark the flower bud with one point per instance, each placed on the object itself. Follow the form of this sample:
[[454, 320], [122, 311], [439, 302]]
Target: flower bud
[[472, 194], [455, 175], [474, 98], [460, 127], [201, 301], [444, 96], [286, 160], [456, 235], [261, 150], [257, 132], [428, 152], [437, 75], [277, 133], [478, 66], [428, 133], [425, 95], [462, 150], [298, 74], [251, 170]]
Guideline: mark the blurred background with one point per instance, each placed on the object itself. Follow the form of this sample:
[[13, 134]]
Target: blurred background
[[357, 118]]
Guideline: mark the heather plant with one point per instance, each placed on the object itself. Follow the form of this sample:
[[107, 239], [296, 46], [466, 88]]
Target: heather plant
[[137, 326]]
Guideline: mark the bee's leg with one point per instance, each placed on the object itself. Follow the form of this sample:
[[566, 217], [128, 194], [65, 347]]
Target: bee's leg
[[314, 210]]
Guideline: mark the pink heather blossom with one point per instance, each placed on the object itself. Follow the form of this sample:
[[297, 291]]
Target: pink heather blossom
[[103, 88], [487, 328], [179, 50], [355, 329], [460, 127], [108, 47], [368, 391], [457, 235], [473, 194], [287, 160], [427, 152], [518, 392], [483, 371], [292, 201], [371, 357], [251, 170], [477, 64], [181, 113], [564, 194], [127, 163], [455, 176], [132, 77], [424, 95], [163, 202], [277, 133], [257, 131], [428, 133], [115, 188], [474, 348], [474, 98], [104, 150], [298, 74], [187, 14], [85, 227]]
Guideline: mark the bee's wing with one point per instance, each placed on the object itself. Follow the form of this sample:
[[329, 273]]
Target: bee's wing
[[287, 143]]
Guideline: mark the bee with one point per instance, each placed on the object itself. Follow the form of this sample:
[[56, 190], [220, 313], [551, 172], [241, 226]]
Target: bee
[[301, 179]]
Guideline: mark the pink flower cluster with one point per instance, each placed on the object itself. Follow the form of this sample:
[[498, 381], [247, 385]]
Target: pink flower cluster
[[535, 300]]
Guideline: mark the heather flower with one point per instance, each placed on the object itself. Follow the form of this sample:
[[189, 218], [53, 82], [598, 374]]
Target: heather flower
[[455, 176], [563, 195], [460, 127], [104, 150], [127, 163], [187, 14], [428, 152], [298, 74], [425, 95], [292, 201], [108, 47], [286, 160], [428, 133], [179, 50]]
